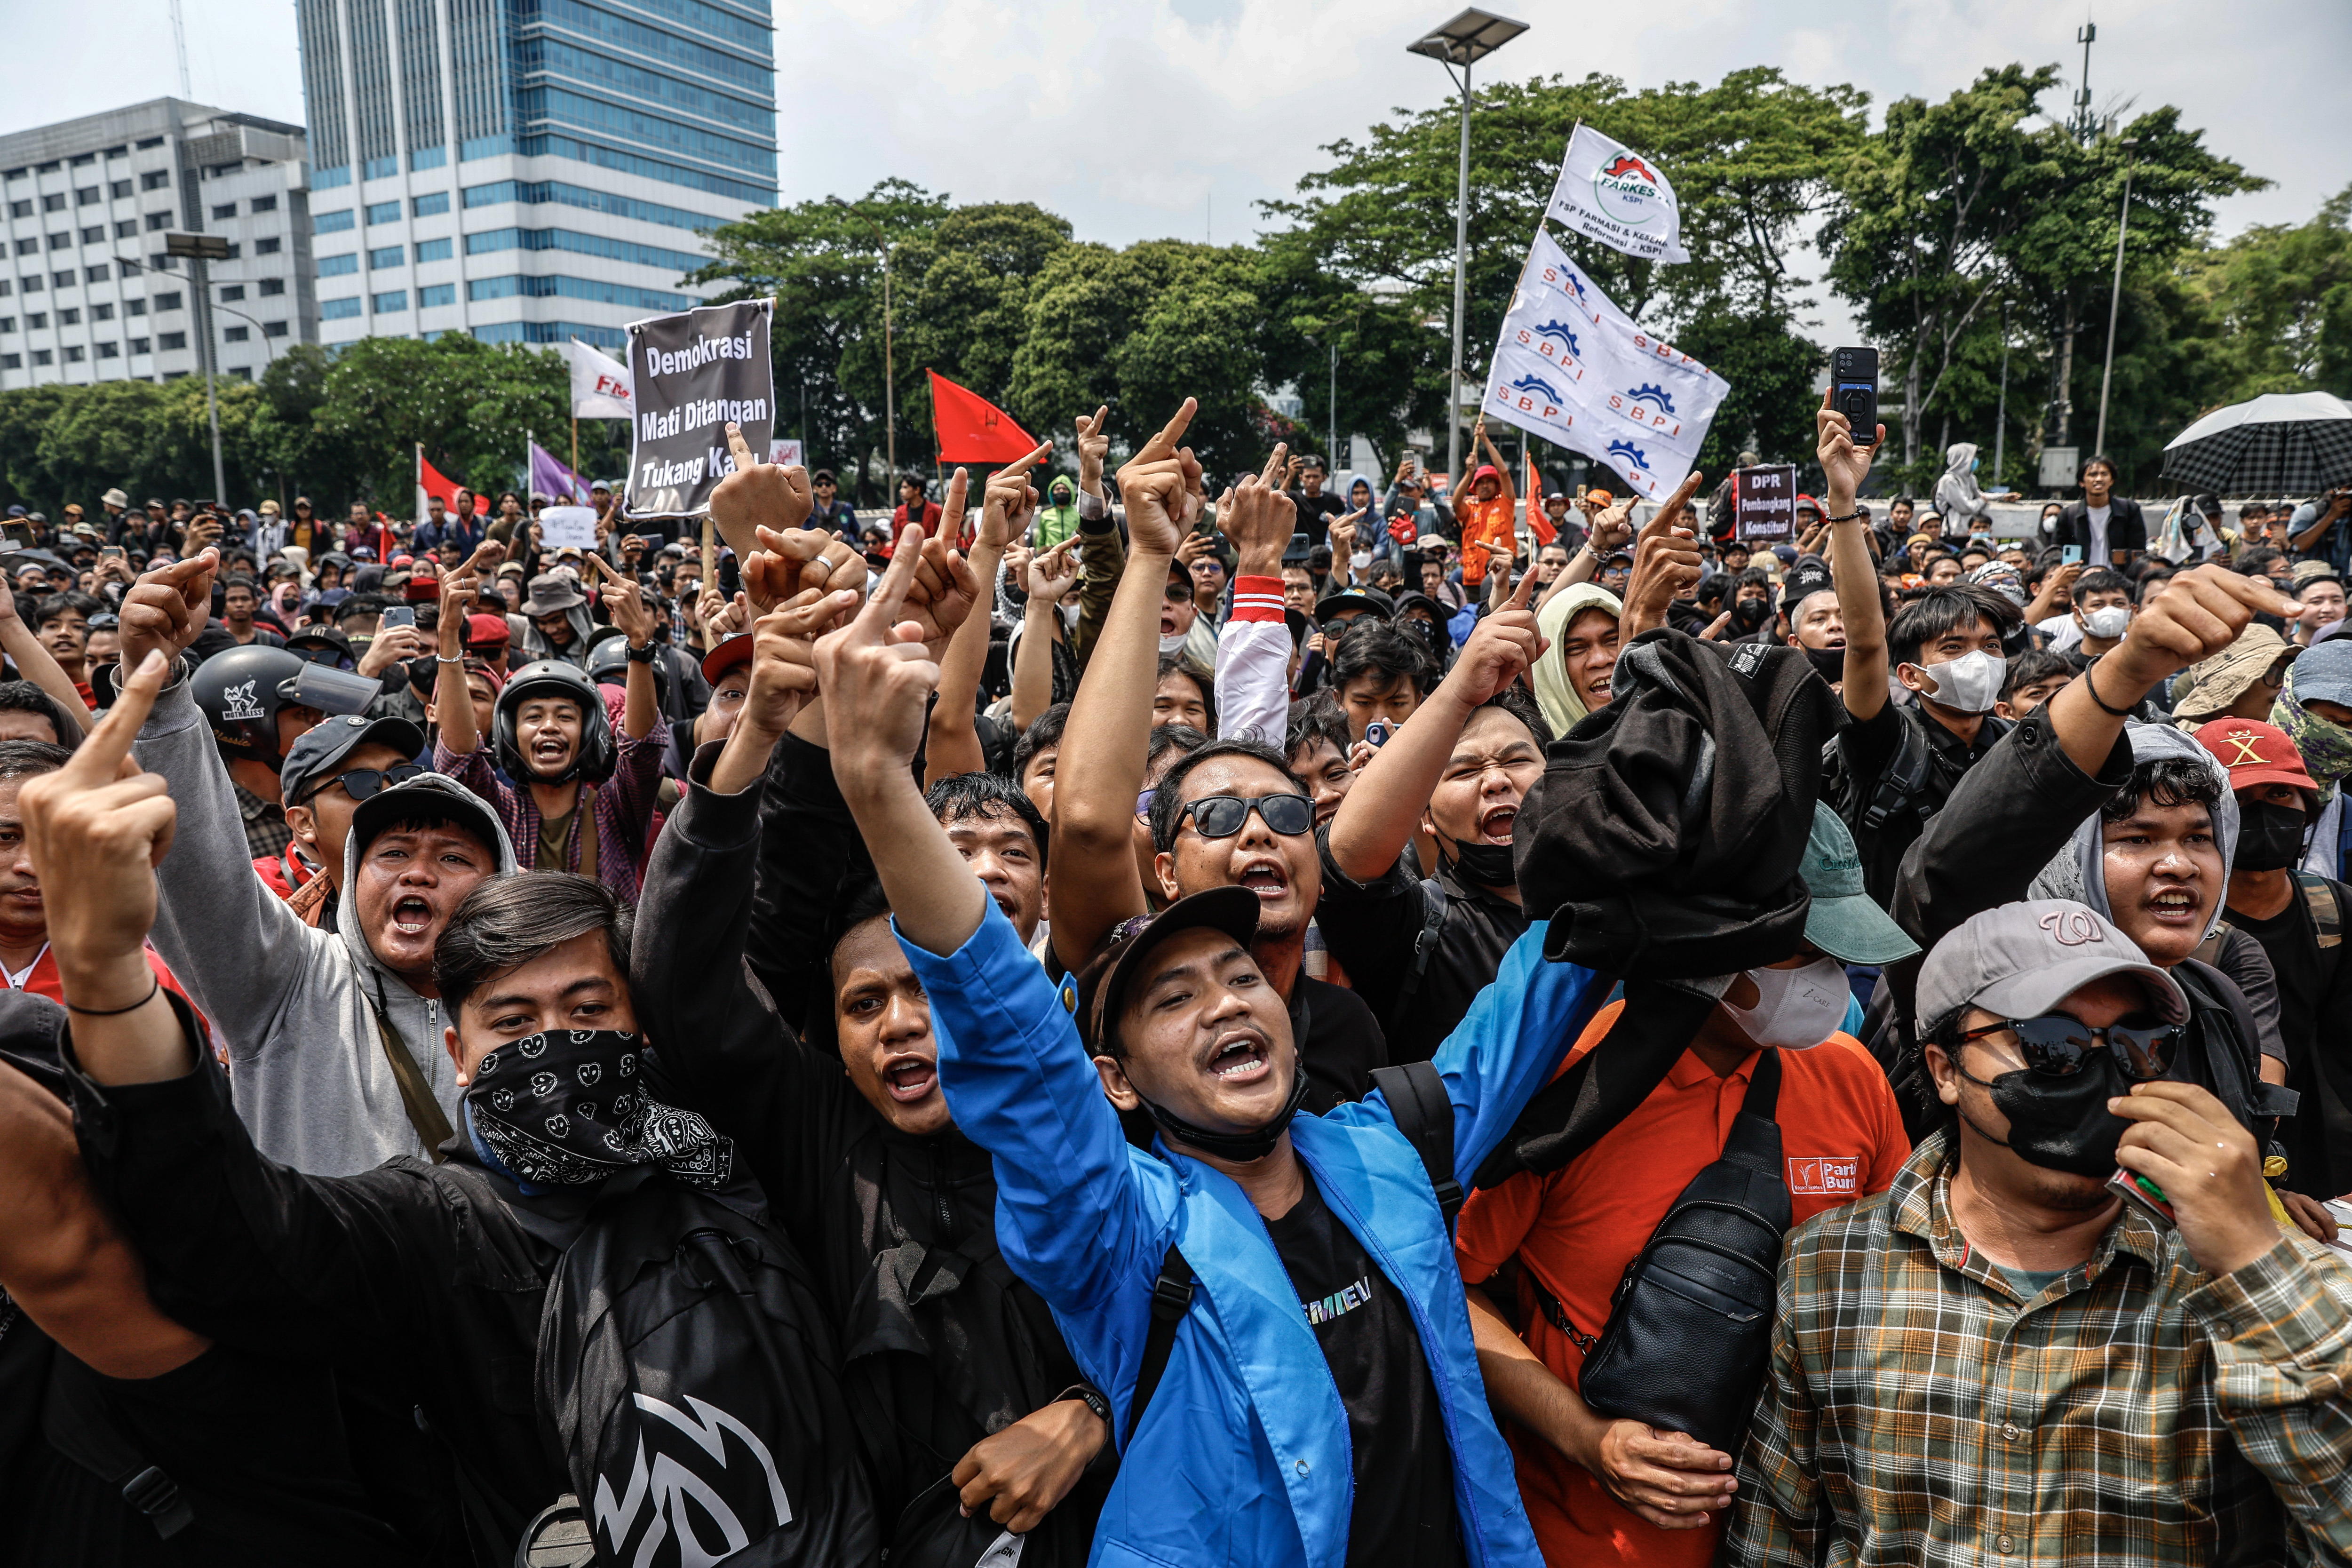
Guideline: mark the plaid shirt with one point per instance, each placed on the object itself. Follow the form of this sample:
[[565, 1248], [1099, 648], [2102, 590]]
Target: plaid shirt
[[622, 808], [266, 833], [2135, 1411]]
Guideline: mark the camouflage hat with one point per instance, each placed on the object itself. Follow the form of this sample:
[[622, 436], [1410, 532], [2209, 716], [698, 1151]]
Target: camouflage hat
[[2211, 685]]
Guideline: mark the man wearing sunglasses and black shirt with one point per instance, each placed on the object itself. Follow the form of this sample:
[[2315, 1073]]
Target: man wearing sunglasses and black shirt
[[1953, 1350]]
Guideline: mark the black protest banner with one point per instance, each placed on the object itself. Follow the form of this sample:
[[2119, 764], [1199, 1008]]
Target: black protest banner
[[694, 372], [1764, 502]]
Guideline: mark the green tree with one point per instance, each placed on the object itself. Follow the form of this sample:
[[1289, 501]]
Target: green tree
[[2282, 299], [966, 306], [1752, 158], [821, 261], [469, 404], [1142, 330]]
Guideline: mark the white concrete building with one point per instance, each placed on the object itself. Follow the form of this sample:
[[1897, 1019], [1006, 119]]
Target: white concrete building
[[86, 293]]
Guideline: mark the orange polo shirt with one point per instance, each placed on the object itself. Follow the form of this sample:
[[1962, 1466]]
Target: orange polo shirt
[[1578, 1228], [1492, 522]]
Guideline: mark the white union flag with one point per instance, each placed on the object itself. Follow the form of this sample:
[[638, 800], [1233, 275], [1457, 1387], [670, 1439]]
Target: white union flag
[[1607, 191], [1573, 368]]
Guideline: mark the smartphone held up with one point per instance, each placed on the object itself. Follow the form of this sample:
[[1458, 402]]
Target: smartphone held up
[[1853, 391]]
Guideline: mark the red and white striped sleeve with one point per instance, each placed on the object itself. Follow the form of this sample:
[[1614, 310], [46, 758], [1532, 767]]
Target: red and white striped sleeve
[[1254, 665]]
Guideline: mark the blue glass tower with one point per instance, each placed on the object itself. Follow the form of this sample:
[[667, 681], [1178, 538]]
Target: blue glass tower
[[528, 170]]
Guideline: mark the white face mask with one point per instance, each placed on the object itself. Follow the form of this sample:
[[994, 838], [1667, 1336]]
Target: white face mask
[[1795, 1009], [2108, 622], [1968, 684], [1174, 644]]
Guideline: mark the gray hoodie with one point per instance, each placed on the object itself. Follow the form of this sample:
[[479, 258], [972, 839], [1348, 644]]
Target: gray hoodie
[[290, 1003], [2079, 870], [1959, 501]]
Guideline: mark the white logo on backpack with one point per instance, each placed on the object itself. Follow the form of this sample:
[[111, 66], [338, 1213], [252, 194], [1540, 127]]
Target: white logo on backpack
[[669, 1483]]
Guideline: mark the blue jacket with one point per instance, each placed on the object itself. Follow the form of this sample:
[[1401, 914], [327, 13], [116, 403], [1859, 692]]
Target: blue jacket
[[1243, 1457]]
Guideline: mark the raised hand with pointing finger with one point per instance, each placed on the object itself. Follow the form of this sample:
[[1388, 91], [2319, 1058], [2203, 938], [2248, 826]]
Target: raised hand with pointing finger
[[96, 829], [876, 667], [1666, 562], [758, 495]]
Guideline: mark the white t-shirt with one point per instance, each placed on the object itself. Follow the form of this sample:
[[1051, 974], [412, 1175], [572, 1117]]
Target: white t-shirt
[[2098, 555], [2064, 632]]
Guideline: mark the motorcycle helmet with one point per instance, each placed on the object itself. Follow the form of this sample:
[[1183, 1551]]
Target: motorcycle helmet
[[608, 665], [553, 677], [241, 691]]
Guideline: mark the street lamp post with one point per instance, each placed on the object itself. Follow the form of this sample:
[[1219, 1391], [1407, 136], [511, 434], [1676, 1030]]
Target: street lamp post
[[1463, 41], [202, 250], [2115, 298], [889, 367]]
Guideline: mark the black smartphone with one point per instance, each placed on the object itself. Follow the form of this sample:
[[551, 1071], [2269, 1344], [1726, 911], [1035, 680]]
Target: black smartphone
[[1853, 391], [730, 577], [397, 616]]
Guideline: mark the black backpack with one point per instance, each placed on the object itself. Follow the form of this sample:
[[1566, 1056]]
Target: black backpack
[[1690, 1326], [687, 1373]]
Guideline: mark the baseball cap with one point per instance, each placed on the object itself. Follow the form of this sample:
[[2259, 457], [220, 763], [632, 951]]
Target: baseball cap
[[1842, 921], [2022, 960], [726, 656], [427, 797], [2255, 754], [2324, 674], [322, 746], [1101, 986]]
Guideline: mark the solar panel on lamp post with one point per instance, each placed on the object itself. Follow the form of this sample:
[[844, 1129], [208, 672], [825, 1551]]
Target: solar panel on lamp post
[[1463, 41]]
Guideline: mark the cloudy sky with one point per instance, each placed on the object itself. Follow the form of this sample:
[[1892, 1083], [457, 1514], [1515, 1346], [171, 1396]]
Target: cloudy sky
[[1144, 118]]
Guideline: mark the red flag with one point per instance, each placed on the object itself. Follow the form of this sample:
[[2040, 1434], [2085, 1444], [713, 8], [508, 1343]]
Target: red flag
[[1538, 522], [971, 429], [432, 483]]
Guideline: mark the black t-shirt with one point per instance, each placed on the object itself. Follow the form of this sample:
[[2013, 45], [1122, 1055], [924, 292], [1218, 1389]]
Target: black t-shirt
[[1405, 1513], [1864, 750], [2314, 991], [1315, 512], [1340, 1042]]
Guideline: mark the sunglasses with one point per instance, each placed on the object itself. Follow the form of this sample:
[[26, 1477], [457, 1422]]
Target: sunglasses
[[1223, 815], [361, 783], [2057, 1046]]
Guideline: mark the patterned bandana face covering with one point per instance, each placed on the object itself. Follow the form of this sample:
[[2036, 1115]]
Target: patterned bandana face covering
[[2326, 746], [568, 1108]]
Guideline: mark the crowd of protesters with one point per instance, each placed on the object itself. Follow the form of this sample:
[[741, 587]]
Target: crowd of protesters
[[1132, 1018]]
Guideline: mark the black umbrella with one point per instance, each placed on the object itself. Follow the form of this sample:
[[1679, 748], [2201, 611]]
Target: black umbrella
[[2280, 444]]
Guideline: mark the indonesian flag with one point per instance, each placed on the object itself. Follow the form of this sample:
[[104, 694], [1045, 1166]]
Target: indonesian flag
[[431, 481], [1539, 522], [970, 428]]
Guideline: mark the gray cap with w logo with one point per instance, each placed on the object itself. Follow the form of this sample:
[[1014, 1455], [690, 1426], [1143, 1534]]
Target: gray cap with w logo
[[2022, 960]]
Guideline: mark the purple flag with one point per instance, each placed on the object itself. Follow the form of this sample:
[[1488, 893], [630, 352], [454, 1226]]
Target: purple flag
[[552, 479]]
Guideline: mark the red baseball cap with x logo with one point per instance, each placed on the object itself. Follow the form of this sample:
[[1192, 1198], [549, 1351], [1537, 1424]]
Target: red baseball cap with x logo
[[2255, 754]]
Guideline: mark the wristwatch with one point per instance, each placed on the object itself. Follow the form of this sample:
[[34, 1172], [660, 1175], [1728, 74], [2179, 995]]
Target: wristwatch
[[1092, 1395], [644, 655]]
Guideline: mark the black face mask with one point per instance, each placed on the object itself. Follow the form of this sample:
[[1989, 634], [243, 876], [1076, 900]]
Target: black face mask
[[1483, 865], [1252, 1145], [1749, 615], [2270, 836], [1828, 663], [2060, 1123]]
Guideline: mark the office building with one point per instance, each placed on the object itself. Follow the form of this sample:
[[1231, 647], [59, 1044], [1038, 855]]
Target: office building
[[528, 170], [86, 292]]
